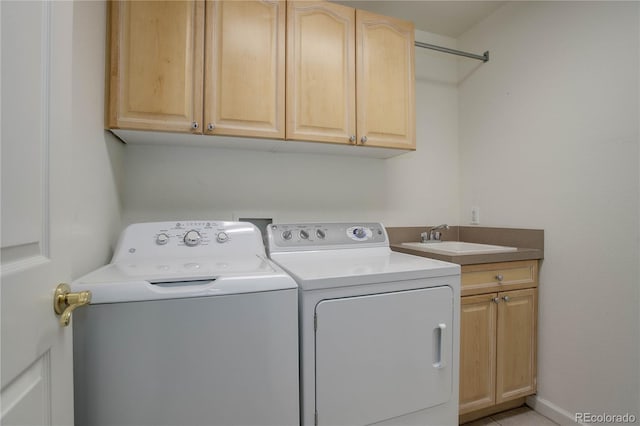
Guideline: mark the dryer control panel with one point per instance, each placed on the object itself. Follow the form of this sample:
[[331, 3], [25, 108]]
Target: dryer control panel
[[188, 238], [322, 236]]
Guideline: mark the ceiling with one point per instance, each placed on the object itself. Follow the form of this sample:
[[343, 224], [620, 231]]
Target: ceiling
[[449, 18]]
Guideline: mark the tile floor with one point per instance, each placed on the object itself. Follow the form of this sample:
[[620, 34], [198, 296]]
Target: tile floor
[[523, 416]]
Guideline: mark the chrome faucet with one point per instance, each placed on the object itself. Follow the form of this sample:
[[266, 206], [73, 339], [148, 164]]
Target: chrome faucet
[[433, 234]]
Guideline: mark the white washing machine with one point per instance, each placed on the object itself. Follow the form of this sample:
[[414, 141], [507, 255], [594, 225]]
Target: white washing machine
[[191, 324], [379, 329]]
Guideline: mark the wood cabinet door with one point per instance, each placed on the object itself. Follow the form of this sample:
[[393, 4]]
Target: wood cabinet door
[[245, 68], [155, 80], [477, 352], [385, 81], [321, 91], [516, 350]]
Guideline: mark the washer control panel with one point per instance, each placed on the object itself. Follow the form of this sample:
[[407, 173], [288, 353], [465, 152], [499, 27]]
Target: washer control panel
[[326, 235], [188, 234], [188, 238]]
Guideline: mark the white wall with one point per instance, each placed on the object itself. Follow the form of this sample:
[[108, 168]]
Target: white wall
[[165, 183], [549, 139], [97, 155], [422, 188]]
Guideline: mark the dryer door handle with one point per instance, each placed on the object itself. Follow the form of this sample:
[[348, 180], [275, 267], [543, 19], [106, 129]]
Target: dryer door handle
[[439, 343]]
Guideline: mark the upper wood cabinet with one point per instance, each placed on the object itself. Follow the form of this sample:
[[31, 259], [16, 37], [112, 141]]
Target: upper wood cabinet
[[165, 55], [244, 71], [385, 81], [217, 67], [321, 72], [350, 76], [156, 65]]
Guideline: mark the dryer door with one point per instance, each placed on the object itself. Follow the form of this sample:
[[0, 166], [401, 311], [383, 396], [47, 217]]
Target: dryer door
[[382, 356]]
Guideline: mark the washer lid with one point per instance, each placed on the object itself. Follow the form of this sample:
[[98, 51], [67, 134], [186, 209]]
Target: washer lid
[[181, 278], [348, 267]]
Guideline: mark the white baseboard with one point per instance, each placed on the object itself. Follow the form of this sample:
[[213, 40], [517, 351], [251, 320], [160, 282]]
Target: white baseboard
[[552, 411]]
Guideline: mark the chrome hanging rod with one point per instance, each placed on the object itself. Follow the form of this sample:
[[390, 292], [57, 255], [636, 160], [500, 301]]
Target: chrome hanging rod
[[484, 57]]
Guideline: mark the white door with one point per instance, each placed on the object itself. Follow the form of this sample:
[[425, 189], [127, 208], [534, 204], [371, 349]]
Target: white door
[[36, 353], [383, 356]]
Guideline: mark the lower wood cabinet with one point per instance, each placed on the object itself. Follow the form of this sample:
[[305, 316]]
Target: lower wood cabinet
[[497, 335]]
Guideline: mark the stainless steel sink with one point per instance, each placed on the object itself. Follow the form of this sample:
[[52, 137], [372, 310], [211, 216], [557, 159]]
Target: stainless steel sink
[[455, 248]]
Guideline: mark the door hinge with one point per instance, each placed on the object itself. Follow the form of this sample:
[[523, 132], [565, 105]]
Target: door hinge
[[315, 322], [315, 418]]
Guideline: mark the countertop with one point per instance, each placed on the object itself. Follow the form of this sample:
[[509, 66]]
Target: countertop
[[530, 243]]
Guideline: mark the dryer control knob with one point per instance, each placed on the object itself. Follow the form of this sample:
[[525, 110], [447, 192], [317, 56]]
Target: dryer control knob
[[162, 239], [192, 238], [320, 234], [360, 232], [304, 234], [286, 235], [222, 237]]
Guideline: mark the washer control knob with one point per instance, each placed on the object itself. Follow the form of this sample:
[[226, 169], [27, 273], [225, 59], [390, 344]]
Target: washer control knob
[[162, 239], [304, 234], [286, 235], [222, 237], [359, 232], [192, 238], [320, 234]]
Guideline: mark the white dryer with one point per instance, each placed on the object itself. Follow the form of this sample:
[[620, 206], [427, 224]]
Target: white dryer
[[379, 329], [191, 324]]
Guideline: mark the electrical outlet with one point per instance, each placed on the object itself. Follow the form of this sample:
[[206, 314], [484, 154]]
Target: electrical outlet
[[475, 215]]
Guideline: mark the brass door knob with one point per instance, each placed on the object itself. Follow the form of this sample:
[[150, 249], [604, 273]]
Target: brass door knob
[[65, 302]]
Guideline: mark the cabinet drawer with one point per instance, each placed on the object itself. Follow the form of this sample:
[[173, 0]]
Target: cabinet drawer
[[490, 277]]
